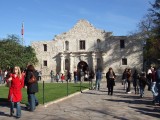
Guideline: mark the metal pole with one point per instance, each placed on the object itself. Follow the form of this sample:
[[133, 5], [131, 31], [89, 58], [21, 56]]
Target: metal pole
[[43, 92], [81, 85], [67, 87]]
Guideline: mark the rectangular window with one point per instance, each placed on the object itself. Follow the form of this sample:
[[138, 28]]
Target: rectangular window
[[124, 61], [82, 44], [45, 47], [45, 63], [122, 44]]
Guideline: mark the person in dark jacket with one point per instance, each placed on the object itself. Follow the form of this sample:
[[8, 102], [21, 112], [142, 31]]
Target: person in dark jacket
[[110, 76], [91, 77], [142, 83], [129, 78], [32, 88], [124, 78], [136, 81]]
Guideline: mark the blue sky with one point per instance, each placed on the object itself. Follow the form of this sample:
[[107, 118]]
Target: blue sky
[[43, 19]]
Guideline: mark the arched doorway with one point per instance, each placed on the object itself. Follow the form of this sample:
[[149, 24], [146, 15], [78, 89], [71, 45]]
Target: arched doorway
[[82, 65]]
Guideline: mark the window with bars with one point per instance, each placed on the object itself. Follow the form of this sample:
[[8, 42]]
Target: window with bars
[[82, 45]]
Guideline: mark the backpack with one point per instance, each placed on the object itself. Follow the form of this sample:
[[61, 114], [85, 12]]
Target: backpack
[[32, 79]]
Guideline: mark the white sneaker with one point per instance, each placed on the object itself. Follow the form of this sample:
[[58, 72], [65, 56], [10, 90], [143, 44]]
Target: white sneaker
[[128, 92]]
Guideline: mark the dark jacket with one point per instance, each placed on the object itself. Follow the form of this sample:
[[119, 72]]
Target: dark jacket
[[31, 88], [158, 75]]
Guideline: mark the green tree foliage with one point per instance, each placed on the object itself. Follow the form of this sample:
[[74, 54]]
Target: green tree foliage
[[149, 30], [153, 42], [13, 53]]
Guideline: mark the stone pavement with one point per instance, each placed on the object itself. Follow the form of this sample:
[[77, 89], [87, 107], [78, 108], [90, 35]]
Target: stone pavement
[[94, 105]]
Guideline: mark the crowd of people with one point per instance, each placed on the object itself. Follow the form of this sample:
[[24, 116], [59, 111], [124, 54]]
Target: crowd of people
[[28, 78], [151, 78]]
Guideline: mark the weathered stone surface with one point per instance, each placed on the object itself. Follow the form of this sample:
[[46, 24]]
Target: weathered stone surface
[[104, 45]]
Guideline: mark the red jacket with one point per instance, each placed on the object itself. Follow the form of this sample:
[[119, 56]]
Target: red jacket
[[15, 94], [62, 77]]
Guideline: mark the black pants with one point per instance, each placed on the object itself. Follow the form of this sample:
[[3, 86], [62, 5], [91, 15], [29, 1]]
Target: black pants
[[129, 86], [110, 89]]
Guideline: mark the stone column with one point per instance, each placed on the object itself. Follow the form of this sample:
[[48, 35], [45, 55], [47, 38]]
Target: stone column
[[103, 62], [62, 63], [71, 65], [93, 61], [71, 62]]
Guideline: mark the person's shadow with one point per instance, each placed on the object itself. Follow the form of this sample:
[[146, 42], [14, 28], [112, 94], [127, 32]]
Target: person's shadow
[[4, 103]]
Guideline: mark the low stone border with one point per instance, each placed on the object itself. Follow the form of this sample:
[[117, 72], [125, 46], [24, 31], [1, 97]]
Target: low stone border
[[64, 98]]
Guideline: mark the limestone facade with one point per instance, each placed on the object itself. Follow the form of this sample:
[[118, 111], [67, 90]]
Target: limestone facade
[[85, 44]]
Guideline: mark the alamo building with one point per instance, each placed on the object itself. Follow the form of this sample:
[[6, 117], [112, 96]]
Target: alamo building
[[86, 47]]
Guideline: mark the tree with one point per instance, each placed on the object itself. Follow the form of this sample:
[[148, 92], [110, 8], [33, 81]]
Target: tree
[[13, 53], [149, 30]]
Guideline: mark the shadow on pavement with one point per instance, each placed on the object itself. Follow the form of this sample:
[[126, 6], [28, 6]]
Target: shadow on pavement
[[4, 102], [105, 112], [4, 114], [148, 111]]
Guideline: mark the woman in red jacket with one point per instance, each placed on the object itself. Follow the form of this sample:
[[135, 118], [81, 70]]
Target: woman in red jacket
[[15, 95]]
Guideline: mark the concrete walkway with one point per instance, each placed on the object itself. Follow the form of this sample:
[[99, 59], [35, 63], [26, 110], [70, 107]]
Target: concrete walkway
[[94, 105]]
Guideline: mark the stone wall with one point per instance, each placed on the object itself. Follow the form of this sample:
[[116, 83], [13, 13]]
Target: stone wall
[[107, 50]]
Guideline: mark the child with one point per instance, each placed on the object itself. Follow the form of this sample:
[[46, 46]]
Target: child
[[62, 78]]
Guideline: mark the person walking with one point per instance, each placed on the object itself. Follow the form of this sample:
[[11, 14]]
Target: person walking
[[154, 89], [57, 77], [136, 81], [110, 77], [16, 81], [158, 84], [124, 78], [142, 83], [75, 76], [39, 75], [98, 79], [149, 78], [68, 76], [91, 77], [129, 78], [62, 78], [52, 75], [32, 87]]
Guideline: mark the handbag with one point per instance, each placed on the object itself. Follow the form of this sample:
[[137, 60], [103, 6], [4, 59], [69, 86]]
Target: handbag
[[32, 79]]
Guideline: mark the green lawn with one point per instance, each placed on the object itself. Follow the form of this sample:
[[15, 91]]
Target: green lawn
[[52, 91]]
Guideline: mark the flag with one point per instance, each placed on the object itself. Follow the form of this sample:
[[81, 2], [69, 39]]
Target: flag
[[22, 30]]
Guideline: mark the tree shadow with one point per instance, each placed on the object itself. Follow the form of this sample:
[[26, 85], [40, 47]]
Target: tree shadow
[[148, 111], [133, 101], [105, 112]]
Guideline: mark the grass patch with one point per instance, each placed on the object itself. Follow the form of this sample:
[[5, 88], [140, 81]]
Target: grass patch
[[52, 91]]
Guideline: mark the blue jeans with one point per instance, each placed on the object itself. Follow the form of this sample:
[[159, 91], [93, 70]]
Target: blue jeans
[[141, 91], [157, 98], [18, 108], [154, 89], [32, 101], [75, 79], [98, 83], [125, 83]]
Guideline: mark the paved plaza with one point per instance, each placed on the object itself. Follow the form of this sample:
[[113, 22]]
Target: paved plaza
[[94, 105]]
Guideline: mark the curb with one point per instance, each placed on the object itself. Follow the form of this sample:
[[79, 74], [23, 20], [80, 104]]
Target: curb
[[64, 98]]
